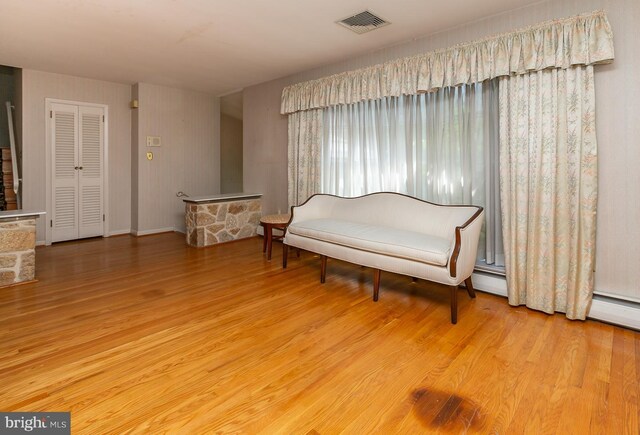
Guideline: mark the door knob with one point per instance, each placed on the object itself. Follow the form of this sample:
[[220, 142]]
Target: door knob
[[80, 167], [76, 168]]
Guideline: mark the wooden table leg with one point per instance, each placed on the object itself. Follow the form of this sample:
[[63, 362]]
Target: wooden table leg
[[264, 238], [269, 231], [269, 223]]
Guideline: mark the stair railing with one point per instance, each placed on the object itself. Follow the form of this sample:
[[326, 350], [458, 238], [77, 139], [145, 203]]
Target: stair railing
[[14, 155]]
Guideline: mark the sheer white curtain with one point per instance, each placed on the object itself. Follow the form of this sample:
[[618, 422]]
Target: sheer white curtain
[[440, 146]]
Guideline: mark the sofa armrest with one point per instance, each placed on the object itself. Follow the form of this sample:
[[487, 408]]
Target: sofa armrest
[[315, 207], [463, 257]]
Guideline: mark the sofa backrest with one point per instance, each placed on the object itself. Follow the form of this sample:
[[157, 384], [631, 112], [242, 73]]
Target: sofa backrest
[[388, 209]]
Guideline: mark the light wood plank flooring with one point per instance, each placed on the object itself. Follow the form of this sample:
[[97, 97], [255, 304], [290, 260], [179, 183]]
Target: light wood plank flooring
[[146, 335]]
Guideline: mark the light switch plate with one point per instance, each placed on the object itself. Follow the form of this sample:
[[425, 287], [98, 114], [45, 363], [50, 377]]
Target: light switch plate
[[154, 141]]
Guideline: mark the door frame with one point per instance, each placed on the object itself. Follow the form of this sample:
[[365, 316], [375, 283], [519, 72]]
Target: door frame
[[49, 160]]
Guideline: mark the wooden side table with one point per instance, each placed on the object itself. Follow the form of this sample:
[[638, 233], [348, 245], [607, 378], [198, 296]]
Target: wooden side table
[[269, 222]]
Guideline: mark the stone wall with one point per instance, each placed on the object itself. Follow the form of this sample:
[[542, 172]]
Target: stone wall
[[208, 224], [17, 251]]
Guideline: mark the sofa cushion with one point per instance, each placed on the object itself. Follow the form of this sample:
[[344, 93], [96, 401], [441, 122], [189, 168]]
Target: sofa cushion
[[383, 240]]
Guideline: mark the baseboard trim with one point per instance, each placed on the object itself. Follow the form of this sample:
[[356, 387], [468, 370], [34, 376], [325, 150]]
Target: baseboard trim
[[489, 283], [631, 299], [41, 243], [118, 233], [615, 312], [153, 231], [31, 281], [606, 310]]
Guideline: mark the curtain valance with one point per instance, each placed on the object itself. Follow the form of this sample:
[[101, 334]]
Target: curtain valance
[[580, 40]]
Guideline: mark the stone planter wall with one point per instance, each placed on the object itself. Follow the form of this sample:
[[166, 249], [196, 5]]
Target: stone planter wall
[[17, 251], [208, 224]]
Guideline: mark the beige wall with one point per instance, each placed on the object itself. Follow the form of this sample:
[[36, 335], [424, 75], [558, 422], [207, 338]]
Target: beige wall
[[618, 104], [36, 86], [189, 159], [230, 154], [265, 144], [135, 161]]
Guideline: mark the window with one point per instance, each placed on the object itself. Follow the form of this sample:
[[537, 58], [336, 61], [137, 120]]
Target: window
[[441, 147]]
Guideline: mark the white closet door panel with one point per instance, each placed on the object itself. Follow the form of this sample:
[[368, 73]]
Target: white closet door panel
[[91, 142], [91, 150], [64, 127], [66, 199]]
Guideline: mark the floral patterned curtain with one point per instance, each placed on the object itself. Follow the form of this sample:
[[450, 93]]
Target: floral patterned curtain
[[548, 178], [581, 40], [305, 138]]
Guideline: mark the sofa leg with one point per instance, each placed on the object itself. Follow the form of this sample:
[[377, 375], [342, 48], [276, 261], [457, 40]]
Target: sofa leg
[[470, 290], [454, 304], [285, 252], [414, 279], [323, 268], [376, 284]]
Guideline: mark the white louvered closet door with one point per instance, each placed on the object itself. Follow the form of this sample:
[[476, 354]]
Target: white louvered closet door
[[64, 135], [90, 171], [77, 138]]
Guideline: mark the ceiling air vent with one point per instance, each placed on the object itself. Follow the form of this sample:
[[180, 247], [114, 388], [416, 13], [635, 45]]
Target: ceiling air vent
[[363, 22]]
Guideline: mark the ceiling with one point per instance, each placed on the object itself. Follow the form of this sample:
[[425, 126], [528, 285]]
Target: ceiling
[[214, 46]]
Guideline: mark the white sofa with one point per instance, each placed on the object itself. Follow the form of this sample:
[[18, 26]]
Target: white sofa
[[391, 232]]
